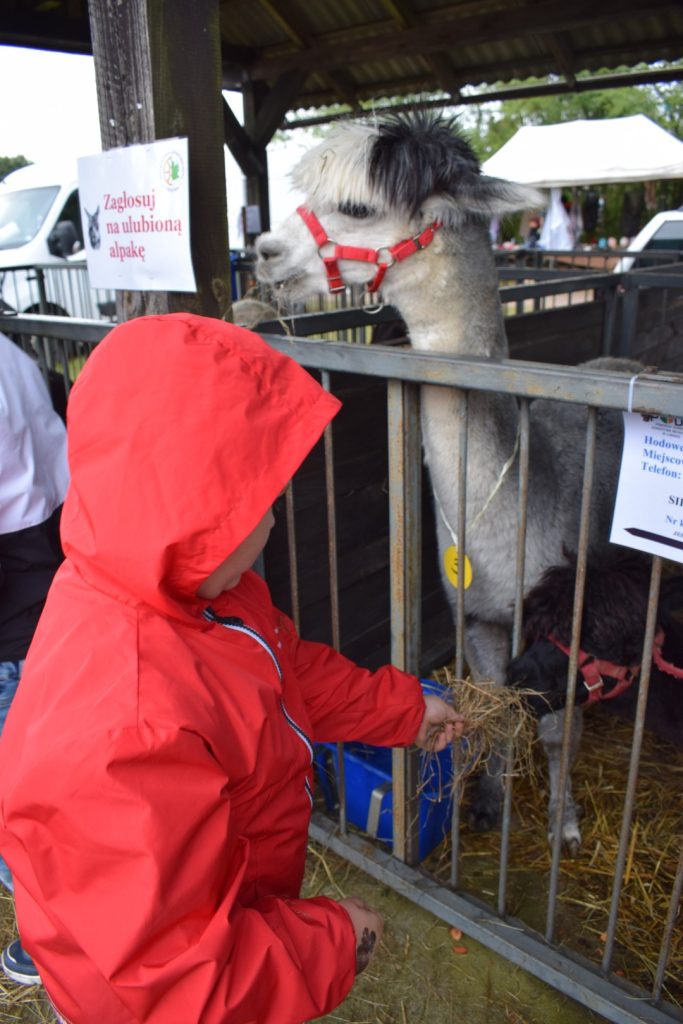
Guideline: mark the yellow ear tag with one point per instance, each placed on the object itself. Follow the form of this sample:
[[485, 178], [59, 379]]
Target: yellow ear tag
[[451, 562]]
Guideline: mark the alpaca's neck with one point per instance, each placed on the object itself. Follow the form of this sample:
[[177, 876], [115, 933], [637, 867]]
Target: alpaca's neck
[[448, 296], [450, 302]]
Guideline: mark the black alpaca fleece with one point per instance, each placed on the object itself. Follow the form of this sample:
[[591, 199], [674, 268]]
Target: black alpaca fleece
[[612, 628]]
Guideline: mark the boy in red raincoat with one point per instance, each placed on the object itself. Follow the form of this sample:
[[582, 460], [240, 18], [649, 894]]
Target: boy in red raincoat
[[155, 769]]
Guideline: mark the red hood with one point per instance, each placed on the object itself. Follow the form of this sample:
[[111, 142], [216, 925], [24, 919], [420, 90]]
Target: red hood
[[182, 431]]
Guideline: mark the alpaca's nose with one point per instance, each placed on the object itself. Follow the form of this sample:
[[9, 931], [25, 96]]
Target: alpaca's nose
[[268, 247]]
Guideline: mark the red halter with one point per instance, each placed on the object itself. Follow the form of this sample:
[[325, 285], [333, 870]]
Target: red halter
[[658, 658], [383, 257], [592, 670]]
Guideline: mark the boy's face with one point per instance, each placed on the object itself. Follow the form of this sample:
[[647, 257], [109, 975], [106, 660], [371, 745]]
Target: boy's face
[[229, 572]]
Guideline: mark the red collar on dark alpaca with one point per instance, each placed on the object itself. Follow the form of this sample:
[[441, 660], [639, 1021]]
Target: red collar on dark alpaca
[[594, 669]]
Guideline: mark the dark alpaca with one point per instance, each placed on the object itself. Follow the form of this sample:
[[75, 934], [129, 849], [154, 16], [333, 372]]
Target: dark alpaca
[[612, 630]]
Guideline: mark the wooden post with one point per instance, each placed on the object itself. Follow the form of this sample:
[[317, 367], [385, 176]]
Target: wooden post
[[257, 180], [158, 74]]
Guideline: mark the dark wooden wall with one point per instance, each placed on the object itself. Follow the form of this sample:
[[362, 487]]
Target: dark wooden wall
[[658, 336], [568, 335]]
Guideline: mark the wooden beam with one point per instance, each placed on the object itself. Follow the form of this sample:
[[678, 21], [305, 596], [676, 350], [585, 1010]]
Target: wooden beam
[[255, 97], [240, 145], [298, 33], [444, 74], [344, 86], [556, 88], [275, 105], [400, 13], [560, 46], [670, 49], [45, 30], [146, 54], [545, 17], [285, 23]]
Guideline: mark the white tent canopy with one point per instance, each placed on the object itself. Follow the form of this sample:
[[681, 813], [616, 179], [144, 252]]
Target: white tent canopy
[[616, 149]]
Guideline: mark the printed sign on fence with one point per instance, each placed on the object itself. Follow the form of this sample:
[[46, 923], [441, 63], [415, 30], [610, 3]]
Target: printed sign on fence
[[648, 512], [135, 207]]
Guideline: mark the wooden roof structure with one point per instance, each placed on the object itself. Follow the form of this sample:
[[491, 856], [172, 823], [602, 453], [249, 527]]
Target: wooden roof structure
[[313, 53]]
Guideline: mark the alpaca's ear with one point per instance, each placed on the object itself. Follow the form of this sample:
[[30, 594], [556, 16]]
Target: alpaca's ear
[[494, 195], [481, 197]]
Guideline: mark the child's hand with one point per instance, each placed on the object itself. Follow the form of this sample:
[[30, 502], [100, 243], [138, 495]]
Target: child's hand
[[368, 926], [440, 725]]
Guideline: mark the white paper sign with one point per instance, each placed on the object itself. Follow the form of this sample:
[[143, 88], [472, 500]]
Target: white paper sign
[[648, 512], [135, 206]]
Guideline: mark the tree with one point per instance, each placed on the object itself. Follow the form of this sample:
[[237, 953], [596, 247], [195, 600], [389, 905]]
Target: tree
[[491, 125], [11, 163]]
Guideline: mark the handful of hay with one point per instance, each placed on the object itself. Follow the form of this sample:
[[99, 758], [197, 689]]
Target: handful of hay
[[497, 719]]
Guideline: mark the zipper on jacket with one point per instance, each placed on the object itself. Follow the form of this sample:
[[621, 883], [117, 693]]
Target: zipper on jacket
[[239, 626]]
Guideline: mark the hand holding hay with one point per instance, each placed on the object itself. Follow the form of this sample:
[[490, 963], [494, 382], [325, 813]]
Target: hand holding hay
[[492, 717], [440, 725]]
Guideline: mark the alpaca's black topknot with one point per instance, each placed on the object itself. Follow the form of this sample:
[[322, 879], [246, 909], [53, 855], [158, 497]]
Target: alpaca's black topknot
[[418, 154]]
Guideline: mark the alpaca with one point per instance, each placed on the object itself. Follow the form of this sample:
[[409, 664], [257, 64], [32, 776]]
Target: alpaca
[[615, 604], [250, 312], [408, 209]]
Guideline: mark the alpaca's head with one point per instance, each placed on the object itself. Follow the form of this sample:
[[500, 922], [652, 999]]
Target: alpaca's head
[[615, 608], [373, 185]]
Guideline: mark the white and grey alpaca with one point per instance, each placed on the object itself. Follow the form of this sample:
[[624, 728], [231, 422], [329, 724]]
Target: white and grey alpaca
[[377, 187]]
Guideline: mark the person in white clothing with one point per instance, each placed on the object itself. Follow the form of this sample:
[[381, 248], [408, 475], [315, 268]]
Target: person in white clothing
[[33, 481]]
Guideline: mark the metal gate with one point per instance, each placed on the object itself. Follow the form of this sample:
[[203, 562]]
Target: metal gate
[[594, 984]]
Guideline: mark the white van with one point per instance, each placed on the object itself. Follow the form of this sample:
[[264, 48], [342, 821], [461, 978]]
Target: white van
[[40, 227], [663, 233]]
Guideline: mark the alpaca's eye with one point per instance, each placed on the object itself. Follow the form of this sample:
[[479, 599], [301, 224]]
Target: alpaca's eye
[[358, 210]]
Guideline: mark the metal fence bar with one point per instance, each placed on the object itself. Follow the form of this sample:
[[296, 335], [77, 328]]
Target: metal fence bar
[[459, 541], [330, 504], [656, 393], [460, 537], [636, 744], [629, 317], [668, 934], [523, 488], [402, 405], [568, 718], [522, 499], [293, 561], [66, 377]]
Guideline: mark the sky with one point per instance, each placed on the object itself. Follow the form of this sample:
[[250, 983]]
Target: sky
[[49, 113]]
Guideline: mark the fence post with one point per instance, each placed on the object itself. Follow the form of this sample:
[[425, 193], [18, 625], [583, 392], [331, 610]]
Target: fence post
[[629, 317], [405, 555]]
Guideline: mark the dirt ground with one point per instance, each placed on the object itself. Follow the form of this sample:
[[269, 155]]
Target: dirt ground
[[416, 978]]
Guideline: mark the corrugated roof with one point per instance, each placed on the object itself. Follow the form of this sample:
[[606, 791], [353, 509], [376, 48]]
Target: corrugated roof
[[350, 51]]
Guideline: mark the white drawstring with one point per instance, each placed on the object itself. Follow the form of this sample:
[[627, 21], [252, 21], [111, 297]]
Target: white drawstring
[[496, 487]]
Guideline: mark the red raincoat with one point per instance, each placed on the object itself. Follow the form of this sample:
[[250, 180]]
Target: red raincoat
[[155, 766]]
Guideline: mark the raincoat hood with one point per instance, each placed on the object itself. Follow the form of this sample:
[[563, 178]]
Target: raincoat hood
[[182, 431]]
